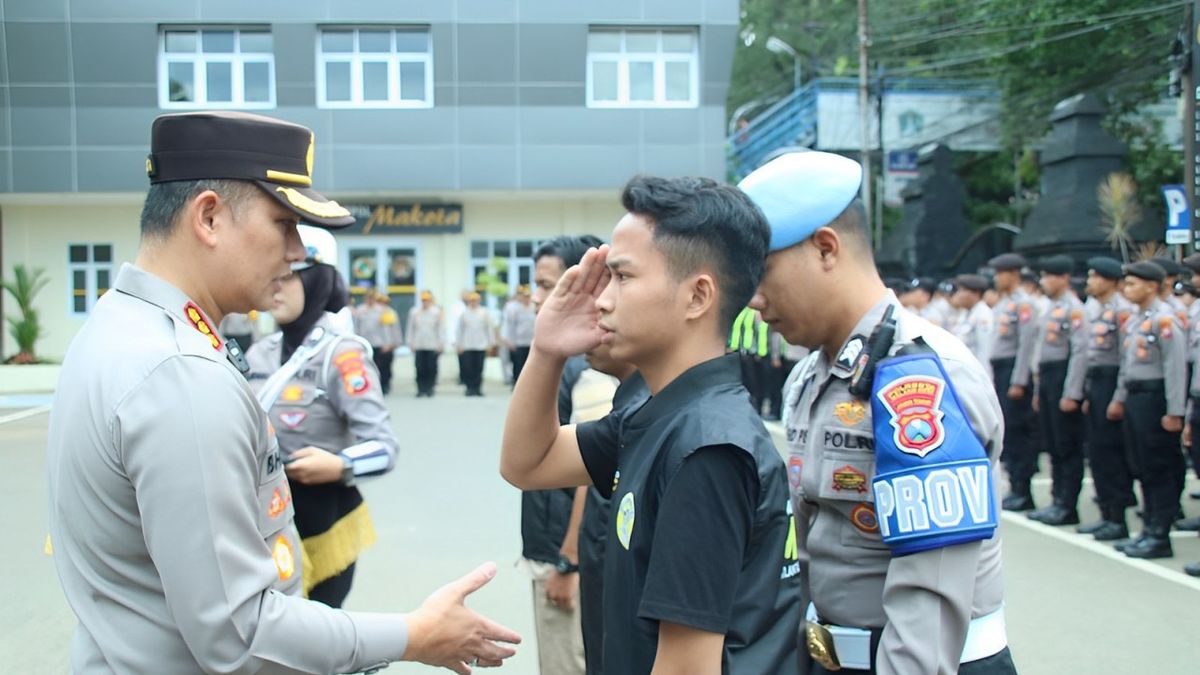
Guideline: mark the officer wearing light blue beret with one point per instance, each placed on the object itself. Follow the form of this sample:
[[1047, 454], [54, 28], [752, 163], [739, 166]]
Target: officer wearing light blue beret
[[929, 602]]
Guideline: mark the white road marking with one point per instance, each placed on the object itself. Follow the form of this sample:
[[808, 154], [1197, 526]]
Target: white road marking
[[1104, 549], [13, 417]]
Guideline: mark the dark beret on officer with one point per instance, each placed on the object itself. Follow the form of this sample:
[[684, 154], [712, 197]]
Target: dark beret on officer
[[972, 282], [1028, 276], [1145, 269], [927, 284], [1057, 264], [1192, 262], [1170, 267], [1105, 267], [1183, 287], [1007, 261], [946, 286]]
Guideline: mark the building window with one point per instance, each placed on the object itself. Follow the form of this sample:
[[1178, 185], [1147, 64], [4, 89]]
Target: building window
[[374, 68], [629, 68], [89, 267], [501, 265], [911, 123], [216, 68]]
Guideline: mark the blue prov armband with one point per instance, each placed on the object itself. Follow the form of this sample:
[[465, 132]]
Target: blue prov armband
[[933, 480]]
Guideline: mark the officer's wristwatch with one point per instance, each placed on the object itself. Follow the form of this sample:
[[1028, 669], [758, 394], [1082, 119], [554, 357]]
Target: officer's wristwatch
[[347, 471], [565, 566]]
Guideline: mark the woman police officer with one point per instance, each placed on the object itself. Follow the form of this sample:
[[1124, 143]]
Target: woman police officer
[[320, 388]]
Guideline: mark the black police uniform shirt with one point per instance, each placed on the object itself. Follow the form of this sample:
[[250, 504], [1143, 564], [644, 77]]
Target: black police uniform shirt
[[701, 529], [545, 514]]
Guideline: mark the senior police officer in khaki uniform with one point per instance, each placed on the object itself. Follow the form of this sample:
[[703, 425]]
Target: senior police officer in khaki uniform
[[169, 543], [899, 581], [1151, 397]]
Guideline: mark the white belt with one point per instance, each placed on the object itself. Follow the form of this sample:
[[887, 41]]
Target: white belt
[[986, 637]]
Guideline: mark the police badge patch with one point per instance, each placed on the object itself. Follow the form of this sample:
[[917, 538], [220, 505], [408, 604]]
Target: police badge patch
[[915, 402]]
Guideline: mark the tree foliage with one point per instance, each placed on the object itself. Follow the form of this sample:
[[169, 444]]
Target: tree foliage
[[1037, 52]]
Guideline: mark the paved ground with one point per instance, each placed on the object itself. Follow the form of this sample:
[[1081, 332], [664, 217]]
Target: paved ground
[[1073, 606]]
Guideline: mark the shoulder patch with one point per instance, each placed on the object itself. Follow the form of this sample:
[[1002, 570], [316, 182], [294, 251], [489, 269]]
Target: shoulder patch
[[353, 371], [1164, 327], [914, 402]]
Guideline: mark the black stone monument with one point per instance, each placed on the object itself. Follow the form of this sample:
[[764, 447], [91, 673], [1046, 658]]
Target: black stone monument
[[932, 228]]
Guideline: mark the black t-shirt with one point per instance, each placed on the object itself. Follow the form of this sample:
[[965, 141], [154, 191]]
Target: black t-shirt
[[699, 528], [593, 529]]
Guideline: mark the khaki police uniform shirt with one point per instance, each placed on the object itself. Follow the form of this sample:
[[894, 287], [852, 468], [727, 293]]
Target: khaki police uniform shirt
[[922, 601], [1155, 349], [977, 330], [517, 323], [332, 402], [425, 328], [1105, 322], [475, 332], [169, 543], [1016, 333], [1062, 336], [378, 325]]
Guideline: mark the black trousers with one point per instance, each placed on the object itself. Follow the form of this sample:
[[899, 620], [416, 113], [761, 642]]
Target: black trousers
[[333, 591], [753, 378], [383, 363], [1156, 452], [519, 356], [1062, 433], [427, 370], [1106, 446], [591, 606], [1000, 663], [1019, 455], [472, 374], [779, 378]]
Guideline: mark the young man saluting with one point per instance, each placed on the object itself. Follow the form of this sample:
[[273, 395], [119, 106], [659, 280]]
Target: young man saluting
[[700, 577]]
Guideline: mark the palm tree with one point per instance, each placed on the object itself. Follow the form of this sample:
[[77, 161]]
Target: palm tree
[[1119, 211], [28, 328]]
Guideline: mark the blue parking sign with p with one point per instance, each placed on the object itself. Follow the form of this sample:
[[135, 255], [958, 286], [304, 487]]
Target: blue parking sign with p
[[1179, 215]]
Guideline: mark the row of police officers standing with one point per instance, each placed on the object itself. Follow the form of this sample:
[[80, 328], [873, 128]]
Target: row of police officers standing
[[1108, 377]]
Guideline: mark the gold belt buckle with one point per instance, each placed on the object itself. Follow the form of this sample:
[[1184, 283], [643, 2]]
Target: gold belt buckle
[[820, 645]]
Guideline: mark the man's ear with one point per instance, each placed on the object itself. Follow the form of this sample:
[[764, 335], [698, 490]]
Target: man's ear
[[201, 217], [703, 296], [828, 245]]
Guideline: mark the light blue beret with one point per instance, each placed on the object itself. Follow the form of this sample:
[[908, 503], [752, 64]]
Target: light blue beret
[[802, 191]]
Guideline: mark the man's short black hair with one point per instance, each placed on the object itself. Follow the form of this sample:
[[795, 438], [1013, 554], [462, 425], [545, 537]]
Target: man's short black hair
[[701, 224], [164, 201], [568, 248], [852, 224]]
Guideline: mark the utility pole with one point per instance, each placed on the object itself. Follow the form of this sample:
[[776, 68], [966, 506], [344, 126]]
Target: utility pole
[[864, 117]]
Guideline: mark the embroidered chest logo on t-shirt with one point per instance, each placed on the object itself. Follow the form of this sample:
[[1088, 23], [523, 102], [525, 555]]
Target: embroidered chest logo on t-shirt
[[626, 514]]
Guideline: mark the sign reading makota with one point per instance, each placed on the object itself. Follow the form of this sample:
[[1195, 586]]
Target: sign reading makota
[[405, 218]]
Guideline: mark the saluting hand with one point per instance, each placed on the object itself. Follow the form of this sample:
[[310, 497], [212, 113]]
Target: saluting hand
[[568, 322], [314, 466], [443, 632]]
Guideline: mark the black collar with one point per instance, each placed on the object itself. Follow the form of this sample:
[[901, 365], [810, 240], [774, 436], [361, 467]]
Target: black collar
[[689, 386]]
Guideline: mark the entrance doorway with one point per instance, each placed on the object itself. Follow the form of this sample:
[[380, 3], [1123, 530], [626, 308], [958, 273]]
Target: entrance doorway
[[393, 267]]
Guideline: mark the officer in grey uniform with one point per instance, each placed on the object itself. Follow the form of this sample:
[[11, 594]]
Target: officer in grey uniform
[[1062, 367], [1192, 262], [1150, 398], [893, 586], [1012, 356], [169, 544], [977, 328], [1105, 315], [321, 391]]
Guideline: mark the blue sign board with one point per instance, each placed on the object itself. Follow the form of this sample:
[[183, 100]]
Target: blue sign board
[[1179, 215], [902, 161]]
